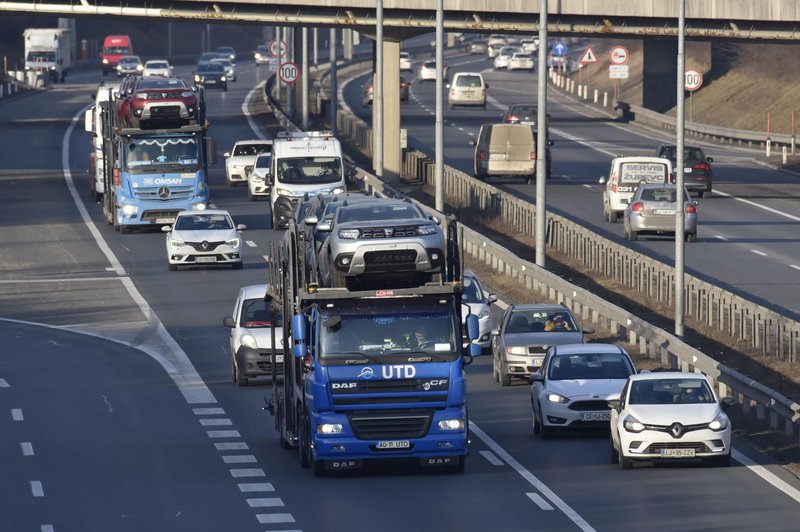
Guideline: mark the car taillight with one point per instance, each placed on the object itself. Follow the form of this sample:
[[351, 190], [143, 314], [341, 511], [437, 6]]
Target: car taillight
[[533, 156], [613, 183], [512, 118], [481, 155], [690, 209], [671, 178], [369, 89], [637, 207], [702, 166]]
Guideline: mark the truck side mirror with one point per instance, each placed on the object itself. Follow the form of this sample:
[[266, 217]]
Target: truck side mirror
[[299, 328], [473, 330], [472, 141], [211, 150]]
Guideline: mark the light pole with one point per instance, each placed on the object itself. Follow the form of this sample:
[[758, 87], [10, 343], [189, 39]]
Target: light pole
[[541, 140], [438, 181], [679, 208], [379, 90]]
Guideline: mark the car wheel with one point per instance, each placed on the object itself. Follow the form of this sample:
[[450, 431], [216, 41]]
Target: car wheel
[[707, 193], [237, 265], [250, 195], [633, 236], [614, 454], [233, 371], [537, 425], [452, 106], [172, 267], [241, 380], [691, 237], [606, 217], [612, 217], [624, 463], [505, 379], [496, 375]]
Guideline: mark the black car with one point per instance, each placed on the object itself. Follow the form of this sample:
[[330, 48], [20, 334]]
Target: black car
[[697, 175], [211, 75], [522, 113]]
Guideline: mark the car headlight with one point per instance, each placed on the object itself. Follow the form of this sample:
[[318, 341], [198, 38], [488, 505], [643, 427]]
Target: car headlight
[[233, 242], [176, 243], [197, 78], [485, 313], [199, 207], [337, 190], [248, 340], [223, 78], [517, 350], [426, 230], [256, 177], [719, 423], [451, 424], [142, 96], [349, 234], [187, 94], [330, 428], [258, 56], [556, 398], [119, 67], [632, 424], [283, 192], [139, 68], [130, 210], [105, 61]]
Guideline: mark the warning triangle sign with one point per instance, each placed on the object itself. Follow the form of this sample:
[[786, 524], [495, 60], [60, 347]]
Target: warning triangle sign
[[588, 56]]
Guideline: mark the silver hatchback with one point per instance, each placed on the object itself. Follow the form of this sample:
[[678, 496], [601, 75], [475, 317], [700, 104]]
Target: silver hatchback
[[652, 211], [384, 236]]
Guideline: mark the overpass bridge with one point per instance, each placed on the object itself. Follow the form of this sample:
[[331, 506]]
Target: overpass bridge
[[655, 21]]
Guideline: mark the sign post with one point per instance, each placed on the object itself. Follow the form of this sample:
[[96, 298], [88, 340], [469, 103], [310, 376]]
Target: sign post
[[692, 80], [588, 58]]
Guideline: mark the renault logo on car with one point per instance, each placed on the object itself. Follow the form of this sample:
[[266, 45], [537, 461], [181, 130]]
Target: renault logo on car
[[676, 429], [204, 245], [163, 192]]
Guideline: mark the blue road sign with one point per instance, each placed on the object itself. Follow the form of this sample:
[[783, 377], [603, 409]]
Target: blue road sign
[[559, 48]]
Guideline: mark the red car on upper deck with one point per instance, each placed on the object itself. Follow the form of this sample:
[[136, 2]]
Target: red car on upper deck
[[166, 102]]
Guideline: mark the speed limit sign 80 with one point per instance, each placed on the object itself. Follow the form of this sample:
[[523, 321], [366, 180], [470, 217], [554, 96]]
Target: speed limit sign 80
[[289, 72]]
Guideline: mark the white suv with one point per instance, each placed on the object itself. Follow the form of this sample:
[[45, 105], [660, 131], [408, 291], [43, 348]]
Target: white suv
[[251, 336], [240, 160]]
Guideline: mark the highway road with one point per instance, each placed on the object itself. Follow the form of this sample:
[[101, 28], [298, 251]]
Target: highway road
[[129, 420], [747, 238]]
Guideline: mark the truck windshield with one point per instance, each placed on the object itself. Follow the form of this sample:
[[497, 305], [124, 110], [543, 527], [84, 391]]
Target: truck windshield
[[309, 170], [41, 57], [389, 331], [116, 50], [178, 154]]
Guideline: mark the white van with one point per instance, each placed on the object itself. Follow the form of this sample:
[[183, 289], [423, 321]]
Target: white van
[[303, 162], [467, 88], [624, 177]]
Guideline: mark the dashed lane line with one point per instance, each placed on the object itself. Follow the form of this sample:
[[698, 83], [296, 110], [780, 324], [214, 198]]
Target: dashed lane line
[[209, 411], [217, 422], [757, 252], [491, 458], [232, 446], [27, 448], [223, 434], [239, 459], [4, 384], [540, 502], [795, 266], [36, 488], [274, 519], [268, 502], [249, 472], [255, 487], [16, 414]]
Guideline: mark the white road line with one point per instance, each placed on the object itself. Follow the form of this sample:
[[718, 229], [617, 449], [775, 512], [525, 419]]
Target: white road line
[[757, 252], [250, 243], [47, 528], [217, 422], [4, 384], [265, 257], [762, 472], [490, 456], [587, 186], [764, 207], [721, 238], [66, 279], [16, 414], [535, 497], [246, 110], [223, 434], [232, 446], [27, 448], [795, 266], [36, 488], [274, 519], [255, 487], [239, 459], [270, 502], [242, 473], [209, 411], [532, 480]]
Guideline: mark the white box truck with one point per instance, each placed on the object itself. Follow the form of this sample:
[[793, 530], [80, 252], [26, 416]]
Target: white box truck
[[48, 49]]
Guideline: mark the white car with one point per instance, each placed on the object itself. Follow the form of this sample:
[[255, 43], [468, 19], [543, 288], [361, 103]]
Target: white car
[[230, 68], [405, 61], [494, 44], [530, 45], [503, 57], [157, 67], [204, 237], [669, 415], [427, 71], [521, 61], [240, 160], [479, 304], [251, 336], [257, 183], [571, 389]]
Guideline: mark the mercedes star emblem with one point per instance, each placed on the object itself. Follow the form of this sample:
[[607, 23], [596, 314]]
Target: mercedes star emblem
[[163, 192]]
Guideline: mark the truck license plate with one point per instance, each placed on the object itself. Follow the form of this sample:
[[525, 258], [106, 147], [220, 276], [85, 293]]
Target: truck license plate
[[206, 259], [165, 220], [677, 453], [394, 444]]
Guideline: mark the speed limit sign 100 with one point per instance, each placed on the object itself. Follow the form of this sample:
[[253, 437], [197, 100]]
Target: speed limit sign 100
[[288, 72], [692, 79]]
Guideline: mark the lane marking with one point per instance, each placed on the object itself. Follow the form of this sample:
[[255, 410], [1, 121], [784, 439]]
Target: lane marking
[[255, 487], [758, 205], [36, 488], [223, 434], [795, 266], [232, 446], [4, 384], [587, 186], [209, 411], [270, 502], [63, 280], [272, 519], [239, 459], [250, 243], [721, 238], [535, 497], [218, 422], [532, 479], [762, 472], [757, 252], [27, 448], [16, 414], [242, 473], [47, 528], [246, 110], [490, 456]]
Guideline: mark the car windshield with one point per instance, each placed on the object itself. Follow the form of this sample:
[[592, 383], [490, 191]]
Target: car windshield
[[223, 62], [590, 366], [161, 84], [256, 314], [468, 81], [670, 392], [244, 150], [129, 61], [211, 68], [472, 291], [143, 153], [378, 212], [380, 330], [633, 173], [203, 222], [532, 321], [309, 170], [263, 161], [116, 50], [157, 64]]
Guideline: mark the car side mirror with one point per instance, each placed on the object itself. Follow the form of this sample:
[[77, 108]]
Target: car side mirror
[[311, 220], [226, 154], [472, 141], [727, 402], [551, 143], [613, 404], [228, 322], [491, 299], [241, 227], [166, 228], [537, 376], [324, 226], [602, 180]]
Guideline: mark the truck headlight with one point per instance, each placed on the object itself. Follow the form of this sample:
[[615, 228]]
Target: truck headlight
[[451, 424], [517, 350], [199, 207], [348, 234], [130, 210], [330, 428], [248, 340]]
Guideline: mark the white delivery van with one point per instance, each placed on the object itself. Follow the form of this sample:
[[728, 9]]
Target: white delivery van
[[467, 88], [303, 162], [624, 177]]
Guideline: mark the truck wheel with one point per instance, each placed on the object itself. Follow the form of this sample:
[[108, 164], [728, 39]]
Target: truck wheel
[[707, 193], [612, 217], [115, 219], [124, 229]]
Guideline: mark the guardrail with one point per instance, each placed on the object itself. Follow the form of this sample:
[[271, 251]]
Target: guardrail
[[742, 319]]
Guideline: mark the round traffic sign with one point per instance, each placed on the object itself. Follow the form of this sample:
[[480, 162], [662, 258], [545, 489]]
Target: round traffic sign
[[618, 55], [289, 72], [277, 48], [692, 79]]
